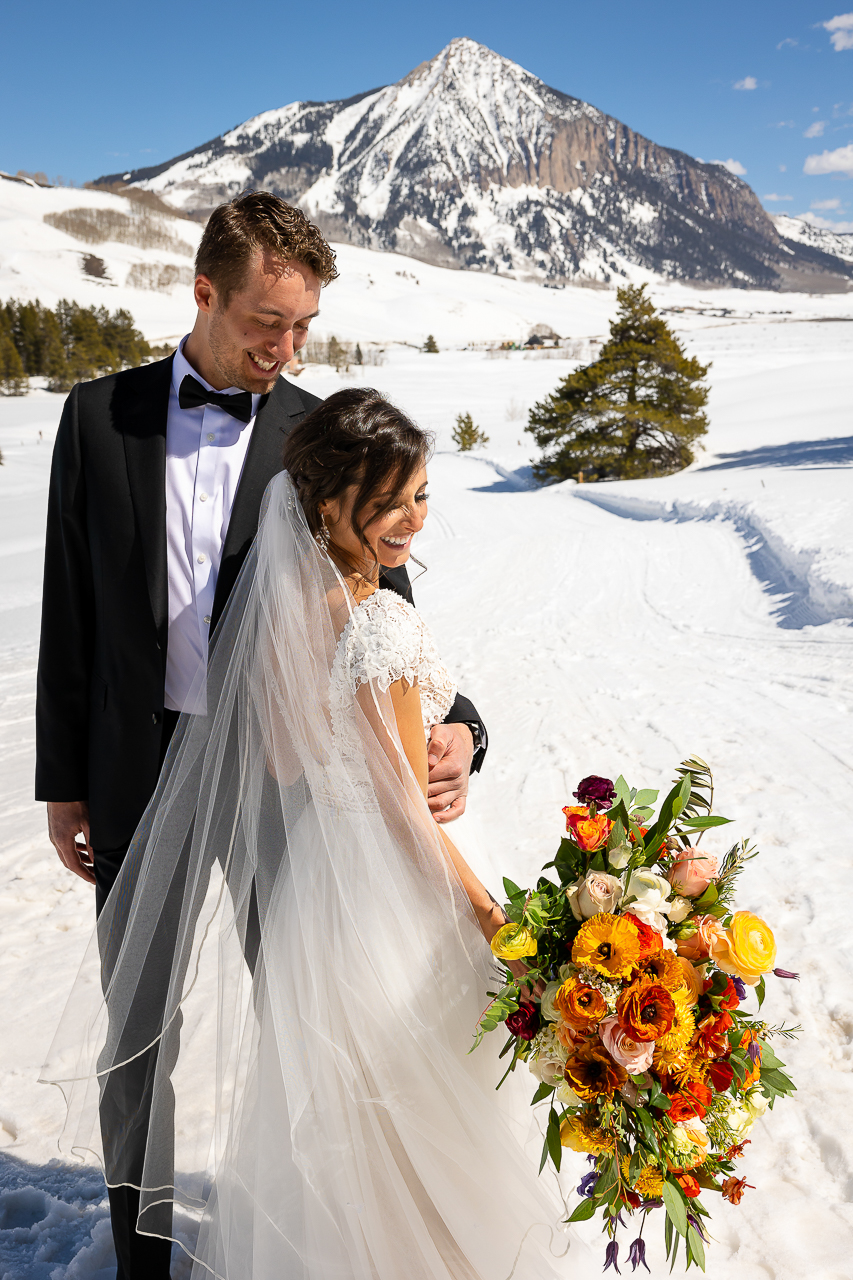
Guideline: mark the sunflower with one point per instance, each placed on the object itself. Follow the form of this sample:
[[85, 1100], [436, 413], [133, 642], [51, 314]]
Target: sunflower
[[581, 1133], [665, 967], [591, 1071], [683, 1023], [649, 1183], [609, 944]]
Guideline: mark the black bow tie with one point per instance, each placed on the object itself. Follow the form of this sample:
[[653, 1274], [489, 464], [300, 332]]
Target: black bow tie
[[192, 395]]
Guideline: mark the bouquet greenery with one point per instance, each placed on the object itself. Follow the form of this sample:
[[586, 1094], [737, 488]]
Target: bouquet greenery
[[631, 1013]]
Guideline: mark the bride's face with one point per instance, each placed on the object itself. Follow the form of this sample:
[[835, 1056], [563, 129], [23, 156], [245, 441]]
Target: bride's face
[[389, 534]]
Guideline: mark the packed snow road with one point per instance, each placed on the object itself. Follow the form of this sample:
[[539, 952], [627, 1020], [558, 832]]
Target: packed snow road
[[592, 640]]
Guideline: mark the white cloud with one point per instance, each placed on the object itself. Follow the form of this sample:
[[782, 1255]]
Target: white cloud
[[838, 161], [783, 168], [815, 130], [842, 31], [826, 204], [773, 196], [824, 224], [787, 41], [748, 82], [733, 166]]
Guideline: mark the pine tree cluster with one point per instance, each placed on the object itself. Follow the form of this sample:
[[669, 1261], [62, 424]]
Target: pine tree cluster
[[466, 435], [68, 345], [636, 411]]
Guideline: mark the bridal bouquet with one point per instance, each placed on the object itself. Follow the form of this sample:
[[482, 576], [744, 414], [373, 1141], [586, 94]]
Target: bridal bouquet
[[633, 1021]]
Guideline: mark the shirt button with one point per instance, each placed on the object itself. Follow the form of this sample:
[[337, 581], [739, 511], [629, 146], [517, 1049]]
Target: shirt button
[[155, 717], [202, 558], [207, 619], [211, 436], [202, 497]]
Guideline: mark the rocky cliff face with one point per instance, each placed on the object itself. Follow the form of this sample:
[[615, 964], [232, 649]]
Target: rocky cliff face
[[470, 161]]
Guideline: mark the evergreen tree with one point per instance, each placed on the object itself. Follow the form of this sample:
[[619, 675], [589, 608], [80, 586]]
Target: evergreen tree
[[359, 358], [466, 436], [13, 380], [635, 411], [430, 345]]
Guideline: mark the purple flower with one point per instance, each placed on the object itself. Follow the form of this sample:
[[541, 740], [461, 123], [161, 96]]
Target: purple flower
[[697, 1226], [637, 1255], [586, 1186], [595, 790], [754, 1051], [611, 1258], [740, 987], [524, 1023], [783, 973]]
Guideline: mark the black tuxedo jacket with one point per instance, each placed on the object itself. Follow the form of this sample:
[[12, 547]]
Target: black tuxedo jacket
[[104, 629]]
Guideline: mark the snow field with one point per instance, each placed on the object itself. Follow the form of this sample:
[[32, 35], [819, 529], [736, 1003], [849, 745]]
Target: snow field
[[592, 641]]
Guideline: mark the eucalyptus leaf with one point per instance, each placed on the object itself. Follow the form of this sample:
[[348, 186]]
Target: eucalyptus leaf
[[675, 1207], [697, 1248]]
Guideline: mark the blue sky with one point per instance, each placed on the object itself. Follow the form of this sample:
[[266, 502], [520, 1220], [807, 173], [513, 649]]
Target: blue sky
[[93, 88]]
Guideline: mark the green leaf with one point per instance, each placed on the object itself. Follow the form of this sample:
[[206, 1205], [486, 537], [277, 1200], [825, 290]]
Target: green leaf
[[552, 1137], [708, 898], [760, 991], [542, 1092], [702, 824], [667, 1235], [585, 1210], [623, 792], [512, 890], [697, 1248], [643, 798], [597, 863], [768, 1056], [675, 1207]]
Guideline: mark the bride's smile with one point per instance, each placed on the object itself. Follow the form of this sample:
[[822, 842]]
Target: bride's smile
[[386, 537]]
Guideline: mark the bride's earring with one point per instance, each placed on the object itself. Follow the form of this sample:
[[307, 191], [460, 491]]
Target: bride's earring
[[322, 535]]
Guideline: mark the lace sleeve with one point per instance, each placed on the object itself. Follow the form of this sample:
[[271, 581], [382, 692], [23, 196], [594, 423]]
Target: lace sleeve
[[382, 641]]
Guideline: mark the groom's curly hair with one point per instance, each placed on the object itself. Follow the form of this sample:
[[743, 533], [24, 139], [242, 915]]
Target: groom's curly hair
[[355, 437], [259, 221]]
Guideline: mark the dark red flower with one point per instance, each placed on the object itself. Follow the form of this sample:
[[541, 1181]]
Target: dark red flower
[[524, 1023], [595, 790], [721, 1075]]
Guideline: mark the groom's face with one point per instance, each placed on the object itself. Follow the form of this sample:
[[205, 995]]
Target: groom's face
[[263, 324]]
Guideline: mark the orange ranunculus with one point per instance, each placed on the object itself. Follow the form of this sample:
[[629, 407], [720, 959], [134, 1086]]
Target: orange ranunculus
[[747, 948], [650, 939], [698, 945], [688, 1185], [608, 944], [665, 967], [588, 833], [730, 998], [754, 1073], [693, 1100], [646, 1010], [693, 980], [711, 1039], [733, 1189], [581, 1006], [591, 1071]]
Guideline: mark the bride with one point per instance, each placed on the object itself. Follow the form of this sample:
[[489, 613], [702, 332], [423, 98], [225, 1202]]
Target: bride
[[289, 972]]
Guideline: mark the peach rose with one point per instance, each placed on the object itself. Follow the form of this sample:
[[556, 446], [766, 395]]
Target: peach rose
[[698, 946], [693, 872], [629, 1053], [598, 891]]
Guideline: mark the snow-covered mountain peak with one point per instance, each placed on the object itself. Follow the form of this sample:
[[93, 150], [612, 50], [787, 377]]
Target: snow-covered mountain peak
[[470, 160]]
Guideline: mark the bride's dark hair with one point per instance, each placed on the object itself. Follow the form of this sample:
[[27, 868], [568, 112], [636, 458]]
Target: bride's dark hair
[[355, 437]]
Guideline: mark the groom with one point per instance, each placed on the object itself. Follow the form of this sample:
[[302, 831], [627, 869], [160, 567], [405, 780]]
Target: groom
[[157, 479]]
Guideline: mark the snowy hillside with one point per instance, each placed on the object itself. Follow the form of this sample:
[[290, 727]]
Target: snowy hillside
[[805, 232], [599, 628], [472, 161], [380, 298]]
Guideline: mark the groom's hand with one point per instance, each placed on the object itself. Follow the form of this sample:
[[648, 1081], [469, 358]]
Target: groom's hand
[[66, 820], [450, 752]]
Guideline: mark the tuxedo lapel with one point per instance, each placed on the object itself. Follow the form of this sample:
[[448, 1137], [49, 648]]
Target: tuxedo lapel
[[278, 412], [140, 408]]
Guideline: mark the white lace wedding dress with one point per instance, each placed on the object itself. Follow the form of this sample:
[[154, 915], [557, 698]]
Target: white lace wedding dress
[[325, 1120]]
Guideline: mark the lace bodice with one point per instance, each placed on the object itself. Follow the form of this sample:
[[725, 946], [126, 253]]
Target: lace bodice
[[386, 640]]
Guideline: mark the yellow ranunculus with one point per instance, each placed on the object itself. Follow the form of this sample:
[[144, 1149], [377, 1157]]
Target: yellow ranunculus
[[581, 1133], [747, 949], [513, 942]]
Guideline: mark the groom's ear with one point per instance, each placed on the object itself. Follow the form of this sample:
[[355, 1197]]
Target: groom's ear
[[204, 293]]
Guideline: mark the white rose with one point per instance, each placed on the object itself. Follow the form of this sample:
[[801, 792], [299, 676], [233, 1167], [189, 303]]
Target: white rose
[[651, 917], [756, 1103], [547, 1007], [566, 1095], [739, 1120], [650, 890], [547, 1070], [679, 909], [567, 971], [620, 856], [598, 891]]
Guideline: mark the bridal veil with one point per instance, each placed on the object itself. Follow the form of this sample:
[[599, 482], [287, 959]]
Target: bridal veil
[[275, 1015]]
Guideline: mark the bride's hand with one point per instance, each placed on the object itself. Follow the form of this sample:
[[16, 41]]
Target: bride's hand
[[519, 970]]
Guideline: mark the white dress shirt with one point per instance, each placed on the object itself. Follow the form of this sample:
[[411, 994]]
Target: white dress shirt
[[205, 452]]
